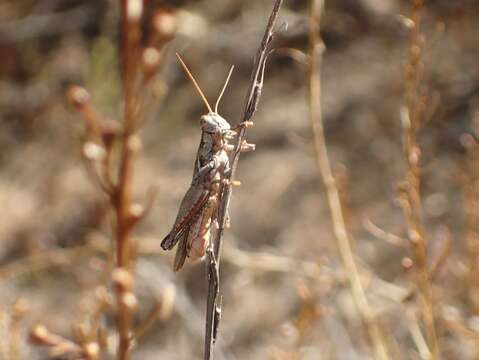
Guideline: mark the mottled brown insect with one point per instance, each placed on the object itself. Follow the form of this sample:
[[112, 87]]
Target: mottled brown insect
[[192, 227]]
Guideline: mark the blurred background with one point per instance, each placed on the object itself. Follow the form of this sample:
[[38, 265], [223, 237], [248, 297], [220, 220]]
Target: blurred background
[[285, 292]]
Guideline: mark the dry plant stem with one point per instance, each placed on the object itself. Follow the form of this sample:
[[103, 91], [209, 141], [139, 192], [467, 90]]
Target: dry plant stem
[[339, 226], [130, 38], [471, 207], [213, 310], [130, 35], [379, 233], [411, 119]]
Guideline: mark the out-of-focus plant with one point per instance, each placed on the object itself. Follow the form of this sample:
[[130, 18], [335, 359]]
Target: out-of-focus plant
[[412, 118], [109, 150], [332, 190]]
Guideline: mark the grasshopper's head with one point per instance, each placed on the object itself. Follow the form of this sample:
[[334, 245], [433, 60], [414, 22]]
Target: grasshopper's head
[[213, 123]]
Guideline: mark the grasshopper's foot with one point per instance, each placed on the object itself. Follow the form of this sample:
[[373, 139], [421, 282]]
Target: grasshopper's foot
[[246, 124], [247, 147], [231, 182]]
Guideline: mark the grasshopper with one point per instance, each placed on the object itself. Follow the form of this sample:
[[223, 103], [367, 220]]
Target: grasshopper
[[192, 227]]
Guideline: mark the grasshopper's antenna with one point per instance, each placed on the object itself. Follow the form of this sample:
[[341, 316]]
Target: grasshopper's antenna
[[224, 88], [194, 82]]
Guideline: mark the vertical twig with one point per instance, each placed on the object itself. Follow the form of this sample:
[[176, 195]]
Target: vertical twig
[[131, 11], [471, 212], [334, 201], [412, 116], [213, 310], [471, 209]]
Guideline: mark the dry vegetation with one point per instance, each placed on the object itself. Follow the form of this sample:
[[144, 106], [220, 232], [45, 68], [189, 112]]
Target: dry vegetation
[[376, 98]]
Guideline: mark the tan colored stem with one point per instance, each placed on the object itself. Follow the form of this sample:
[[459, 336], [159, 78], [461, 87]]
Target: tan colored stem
[[412, 117], [339, 225], [130, 35], [471, 208]]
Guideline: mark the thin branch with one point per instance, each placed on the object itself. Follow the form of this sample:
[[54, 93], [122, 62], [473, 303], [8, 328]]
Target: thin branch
[[333, 195], [213, 311], [471, 209], [379, 233], [131, 12]]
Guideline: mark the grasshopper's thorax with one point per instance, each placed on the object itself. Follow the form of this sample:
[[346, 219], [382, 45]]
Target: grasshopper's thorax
[[215, 129]]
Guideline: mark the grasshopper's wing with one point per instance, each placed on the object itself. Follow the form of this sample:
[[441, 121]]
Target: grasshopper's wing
[[194, 240], [191, 206], [181, 251]]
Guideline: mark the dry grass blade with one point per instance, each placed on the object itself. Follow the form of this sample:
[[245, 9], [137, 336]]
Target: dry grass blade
[[334, 200]]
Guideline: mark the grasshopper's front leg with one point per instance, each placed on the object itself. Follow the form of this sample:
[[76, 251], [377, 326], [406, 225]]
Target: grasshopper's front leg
[[200, 175], [246, 124], [245, 147]]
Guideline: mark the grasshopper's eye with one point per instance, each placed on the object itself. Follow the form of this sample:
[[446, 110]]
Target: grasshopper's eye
[[214, 123], [221, 124], [208, 124]]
